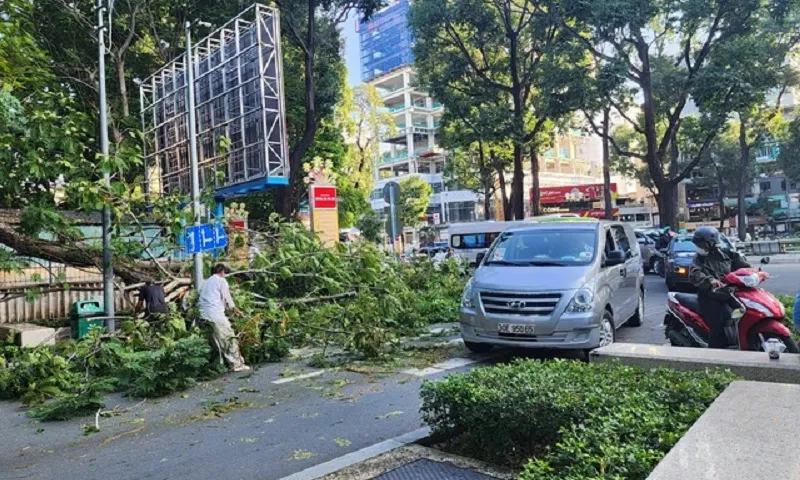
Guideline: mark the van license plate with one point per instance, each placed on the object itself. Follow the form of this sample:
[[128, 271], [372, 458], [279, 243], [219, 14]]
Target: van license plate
[[519, 329]]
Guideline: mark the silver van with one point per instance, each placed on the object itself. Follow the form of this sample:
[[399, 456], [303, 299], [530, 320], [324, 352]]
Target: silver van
[[562, 284]]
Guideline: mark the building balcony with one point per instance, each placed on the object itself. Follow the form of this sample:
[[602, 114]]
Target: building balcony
[[395, 109], [396, 158], [419, 130]]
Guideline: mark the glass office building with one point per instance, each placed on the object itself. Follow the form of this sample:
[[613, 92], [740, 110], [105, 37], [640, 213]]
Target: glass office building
[[385, 41]]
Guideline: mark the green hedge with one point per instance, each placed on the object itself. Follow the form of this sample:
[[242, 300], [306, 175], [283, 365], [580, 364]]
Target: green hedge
[[788, 304], [566, 419]]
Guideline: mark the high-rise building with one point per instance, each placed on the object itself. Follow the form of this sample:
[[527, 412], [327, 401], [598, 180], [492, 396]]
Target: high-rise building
[[411, 148]]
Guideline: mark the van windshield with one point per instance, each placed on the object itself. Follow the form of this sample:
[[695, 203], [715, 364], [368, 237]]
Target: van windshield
[[544, 248]]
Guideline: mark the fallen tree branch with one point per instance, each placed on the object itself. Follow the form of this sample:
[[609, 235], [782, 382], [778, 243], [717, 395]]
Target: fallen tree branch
[[327, 298]]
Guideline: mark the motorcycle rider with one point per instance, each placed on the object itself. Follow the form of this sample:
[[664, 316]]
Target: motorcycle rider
[[710, 264], [663, 240]]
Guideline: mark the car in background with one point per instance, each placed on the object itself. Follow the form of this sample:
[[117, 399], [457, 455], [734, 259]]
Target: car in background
[[650, 254], [555, 284], [680, 255]]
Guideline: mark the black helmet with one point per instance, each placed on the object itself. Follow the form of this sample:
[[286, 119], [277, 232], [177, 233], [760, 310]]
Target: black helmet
[[706, 237]]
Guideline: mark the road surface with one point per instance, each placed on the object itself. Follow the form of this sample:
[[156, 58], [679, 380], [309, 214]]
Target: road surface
[[277, 429]]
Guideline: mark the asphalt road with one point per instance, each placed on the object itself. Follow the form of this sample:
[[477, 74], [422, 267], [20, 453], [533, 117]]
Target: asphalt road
[[275, 430]]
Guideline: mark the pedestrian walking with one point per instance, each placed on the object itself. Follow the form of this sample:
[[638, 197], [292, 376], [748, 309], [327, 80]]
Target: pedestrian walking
[[215, 299]]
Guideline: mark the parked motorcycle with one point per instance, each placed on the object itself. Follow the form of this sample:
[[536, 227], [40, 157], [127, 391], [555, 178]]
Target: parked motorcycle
[[759, 319]]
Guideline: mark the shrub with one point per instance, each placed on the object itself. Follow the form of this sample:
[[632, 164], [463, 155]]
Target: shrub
[[788, 305], [572, 420]]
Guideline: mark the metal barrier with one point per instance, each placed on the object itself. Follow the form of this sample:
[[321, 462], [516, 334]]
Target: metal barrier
[[770, 247]]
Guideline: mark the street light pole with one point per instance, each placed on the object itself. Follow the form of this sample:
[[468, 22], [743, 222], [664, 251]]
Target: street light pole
[[197, 275], [108, 269]]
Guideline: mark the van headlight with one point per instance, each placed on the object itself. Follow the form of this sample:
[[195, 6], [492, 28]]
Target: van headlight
[[582, 301], [466, 297]]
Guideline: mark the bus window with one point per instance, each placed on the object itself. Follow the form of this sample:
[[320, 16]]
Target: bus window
[[470, 240]]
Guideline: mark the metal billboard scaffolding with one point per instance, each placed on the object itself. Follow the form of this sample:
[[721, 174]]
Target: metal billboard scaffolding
[[238, 96]]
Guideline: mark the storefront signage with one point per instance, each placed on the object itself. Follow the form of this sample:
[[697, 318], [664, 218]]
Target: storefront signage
[[572, 193], [323, 197]]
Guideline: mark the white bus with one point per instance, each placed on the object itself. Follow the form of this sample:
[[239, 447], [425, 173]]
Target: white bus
[[469, 239]]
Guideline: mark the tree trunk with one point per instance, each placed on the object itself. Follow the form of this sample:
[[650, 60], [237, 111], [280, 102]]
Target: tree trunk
[[744, 161], [487, 181], [518, 185], [501, 178], [123, 87], [73, 255], [287, 196], [609, 211], [535, 191], [666, 204]]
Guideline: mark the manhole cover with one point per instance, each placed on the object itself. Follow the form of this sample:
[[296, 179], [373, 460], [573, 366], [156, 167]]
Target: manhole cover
[[429, 470]]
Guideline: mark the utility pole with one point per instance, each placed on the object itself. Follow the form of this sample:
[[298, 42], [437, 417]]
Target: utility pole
[[108, 269], [392, 221], [197, 274]]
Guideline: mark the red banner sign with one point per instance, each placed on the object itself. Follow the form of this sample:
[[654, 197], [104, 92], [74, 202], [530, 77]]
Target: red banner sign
[[572, 193], [323, 197], [597, 213]]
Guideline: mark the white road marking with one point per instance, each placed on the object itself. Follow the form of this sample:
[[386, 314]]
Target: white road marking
[[444, 366], [359, 456], [299, 377]]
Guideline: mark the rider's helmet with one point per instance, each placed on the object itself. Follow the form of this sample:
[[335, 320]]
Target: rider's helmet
[[706, 238]]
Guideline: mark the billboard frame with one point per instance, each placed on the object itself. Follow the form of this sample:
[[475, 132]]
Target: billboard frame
[[239, 95]]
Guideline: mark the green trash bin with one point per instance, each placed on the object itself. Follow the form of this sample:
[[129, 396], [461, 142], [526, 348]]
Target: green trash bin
[[81, 314]]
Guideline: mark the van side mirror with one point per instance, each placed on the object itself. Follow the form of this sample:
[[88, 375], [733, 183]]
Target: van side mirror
[[479, 258], [614, 257]]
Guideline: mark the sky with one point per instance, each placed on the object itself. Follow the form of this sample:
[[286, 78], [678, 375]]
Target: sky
[[351, 57]]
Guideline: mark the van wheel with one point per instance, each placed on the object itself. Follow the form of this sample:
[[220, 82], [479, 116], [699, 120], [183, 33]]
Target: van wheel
[[607, 333], [478, 347], [636, 319]]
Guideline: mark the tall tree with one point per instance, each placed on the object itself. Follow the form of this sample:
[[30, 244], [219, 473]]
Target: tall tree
[[476, 163], [415, 197], [789, 156], [721, 169], [305, 19], [363, 121], [663, 50], [504, 49], [754, 66]]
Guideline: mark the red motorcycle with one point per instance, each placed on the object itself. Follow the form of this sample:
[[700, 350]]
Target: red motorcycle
[[761, 318]]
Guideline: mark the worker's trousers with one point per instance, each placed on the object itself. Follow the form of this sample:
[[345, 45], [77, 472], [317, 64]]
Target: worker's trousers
[[227, 344]]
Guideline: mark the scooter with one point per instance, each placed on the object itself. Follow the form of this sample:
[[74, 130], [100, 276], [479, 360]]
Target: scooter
[[758, 319]]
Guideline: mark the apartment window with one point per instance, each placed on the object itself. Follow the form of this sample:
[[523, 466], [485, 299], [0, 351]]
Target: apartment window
[[783, 185], [765, 187], [563, 152]]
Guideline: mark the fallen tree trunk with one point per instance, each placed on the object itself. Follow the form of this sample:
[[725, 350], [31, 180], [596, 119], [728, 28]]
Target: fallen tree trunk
[[131, 272]]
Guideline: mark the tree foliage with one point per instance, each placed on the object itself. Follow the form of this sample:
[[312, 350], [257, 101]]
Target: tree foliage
[[514, 53], [415, 196], [789, 156], [666, 51]]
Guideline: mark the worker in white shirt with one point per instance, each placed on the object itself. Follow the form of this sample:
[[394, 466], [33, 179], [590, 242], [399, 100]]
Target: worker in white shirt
[[215, 298]]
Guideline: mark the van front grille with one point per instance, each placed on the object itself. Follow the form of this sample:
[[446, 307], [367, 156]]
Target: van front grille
[[524, 304]]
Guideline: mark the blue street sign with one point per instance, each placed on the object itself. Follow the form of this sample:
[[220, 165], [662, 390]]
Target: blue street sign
[[190, 241], [205, 237], [220, 239]]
